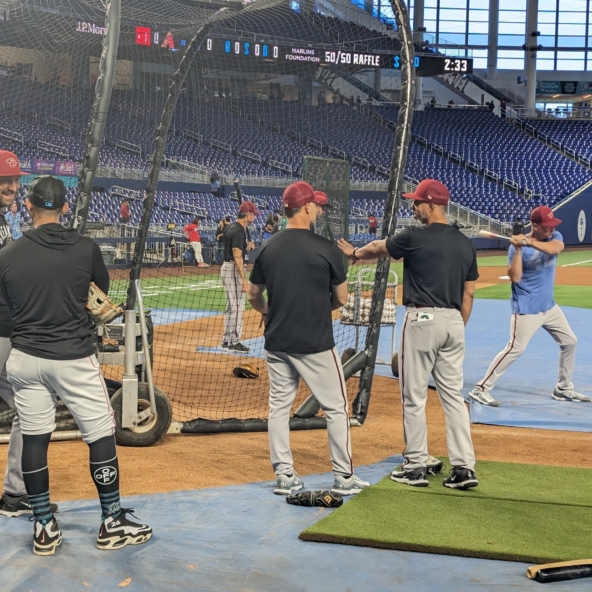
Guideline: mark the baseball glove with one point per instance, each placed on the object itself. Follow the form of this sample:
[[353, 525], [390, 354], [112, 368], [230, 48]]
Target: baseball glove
[[323, 499], [246, 370], [101, 309]]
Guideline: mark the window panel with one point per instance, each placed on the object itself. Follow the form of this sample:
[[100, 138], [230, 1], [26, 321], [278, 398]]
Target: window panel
[[571, 42], [480, 63], [430, 14], [573, 18], [478, 16], [512, 5], [452, 26], [479, 53], [545, 64], [513, 28], [478, 39], [506, 64], [547, 41], [546, 29], [547, 5], [478, 27], [570, 55], [484, 4], [453, 4], [572, 5], [512, 40], [512, 16], [572, 65], [452, 14], [458, 39], [431, 3], [547, 17], [430, 26]]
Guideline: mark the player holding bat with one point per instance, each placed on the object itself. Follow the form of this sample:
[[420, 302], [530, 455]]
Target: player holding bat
[[532, 260]]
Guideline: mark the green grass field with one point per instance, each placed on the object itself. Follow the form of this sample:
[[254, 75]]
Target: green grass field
[[579, 258], [577, 296]]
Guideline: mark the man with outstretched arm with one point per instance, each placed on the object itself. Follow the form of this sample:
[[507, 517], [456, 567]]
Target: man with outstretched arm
[[440, 271]]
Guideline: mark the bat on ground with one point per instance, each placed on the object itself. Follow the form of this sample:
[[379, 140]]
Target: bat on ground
[[559, 572]]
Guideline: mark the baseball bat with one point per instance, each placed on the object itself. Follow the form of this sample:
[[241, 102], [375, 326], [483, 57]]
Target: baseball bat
[[239, 197], [493, 235], [559, 572]]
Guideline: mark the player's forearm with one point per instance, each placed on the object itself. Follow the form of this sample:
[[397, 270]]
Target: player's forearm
[[373, 250], [515, 268], [466, 307], [258, 302], [549, 248], [240, 266]]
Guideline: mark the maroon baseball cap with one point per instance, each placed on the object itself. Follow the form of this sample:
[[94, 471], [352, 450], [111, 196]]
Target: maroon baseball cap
[[10, 165], [297, 195], [322, 199], [430, 191], [248, 207], [544, 216]]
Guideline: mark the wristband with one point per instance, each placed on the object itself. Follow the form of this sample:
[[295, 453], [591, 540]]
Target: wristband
[[354, 254]]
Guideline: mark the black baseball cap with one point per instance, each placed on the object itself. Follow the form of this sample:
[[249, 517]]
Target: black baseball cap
[[47, 192]]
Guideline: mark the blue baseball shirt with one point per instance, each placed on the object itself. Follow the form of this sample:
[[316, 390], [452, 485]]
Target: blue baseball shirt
[[534, 292]]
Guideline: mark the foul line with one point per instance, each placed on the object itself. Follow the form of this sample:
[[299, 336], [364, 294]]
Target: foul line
[[578, 263]]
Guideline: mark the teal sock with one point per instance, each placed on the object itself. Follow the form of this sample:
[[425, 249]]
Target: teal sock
[[110, 504], [40, 506]]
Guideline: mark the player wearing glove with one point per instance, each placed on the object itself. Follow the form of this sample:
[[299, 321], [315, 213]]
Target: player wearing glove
[[45, 281]]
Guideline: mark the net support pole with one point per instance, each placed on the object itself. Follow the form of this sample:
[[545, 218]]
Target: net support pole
[[160, 144], [391, 208], [98, 119]]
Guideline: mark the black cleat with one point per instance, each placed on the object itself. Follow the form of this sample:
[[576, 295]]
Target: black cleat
[[46, 537], [414, 477], [119, 532], [239, 347], [13, 507], [461, 478]]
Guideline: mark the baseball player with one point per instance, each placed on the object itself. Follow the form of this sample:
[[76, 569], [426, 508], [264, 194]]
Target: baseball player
[[439, 275], [234, 280], [532, 260], [44, 278], [14, 500], [191, 233], [305, 280]]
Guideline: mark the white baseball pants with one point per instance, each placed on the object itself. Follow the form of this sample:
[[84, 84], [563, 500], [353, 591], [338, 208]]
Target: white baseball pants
[[197, 250], [13, 477], [235, 303], [323, 375], [433, 342], [38, 382], [522, 330]]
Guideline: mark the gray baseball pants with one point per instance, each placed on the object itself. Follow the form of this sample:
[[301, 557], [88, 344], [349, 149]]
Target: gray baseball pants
[[13, 477], [323, 374], [522, 329], [235, 303], [433, 342]]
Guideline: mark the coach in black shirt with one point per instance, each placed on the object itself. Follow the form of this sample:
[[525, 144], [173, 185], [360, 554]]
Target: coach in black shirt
[[440, 270], [305, 280]]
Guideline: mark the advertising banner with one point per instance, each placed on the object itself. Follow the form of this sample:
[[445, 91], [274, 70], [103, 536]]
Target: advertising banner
[[36, 166]]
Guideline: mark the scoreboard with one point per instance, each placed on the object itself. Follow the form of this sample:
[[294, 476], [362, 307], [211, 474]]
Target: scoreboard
[[260, 51]]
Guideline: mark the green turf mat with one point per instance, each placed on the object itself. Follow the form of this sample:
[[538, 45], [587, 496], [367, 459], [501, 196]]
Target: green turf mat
[[576, 296], [519, 512]]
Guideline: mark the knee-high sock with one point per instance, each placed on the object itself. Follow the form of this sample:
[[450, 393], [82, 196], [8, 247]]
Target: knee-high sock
[[36, 474], [104, 469]]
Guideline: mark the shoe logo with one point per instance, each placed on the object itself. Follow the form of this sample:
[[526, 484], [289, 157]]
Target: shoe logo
[[105, 475]]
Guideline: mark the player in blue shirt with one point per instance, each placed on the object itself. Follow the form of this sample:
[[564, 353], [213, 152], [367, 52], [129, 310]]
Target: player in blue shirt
[[532, 261]]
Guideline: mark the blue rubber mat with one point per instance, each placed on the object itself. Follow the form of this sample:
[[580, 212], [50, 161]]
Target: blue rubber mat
[[240, 538]]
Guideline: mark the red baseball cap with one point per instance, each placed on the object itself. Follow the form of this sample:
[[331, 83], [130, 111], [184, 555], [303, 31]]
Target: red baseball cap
[[10, 165], [297, 195], [430, 191], [322, 199], [248, 207], [544, 216]]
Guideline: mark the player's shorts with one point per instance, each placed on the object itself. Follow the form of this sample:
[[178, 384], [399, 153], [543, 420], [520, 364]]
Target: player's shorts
[[38, 383]]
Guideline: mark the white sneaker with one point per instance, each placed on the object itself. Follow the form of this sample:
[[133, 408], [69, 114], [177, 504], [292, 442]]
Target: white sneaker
[[285, 485], [348, 485], [483, 396], [570, 395]]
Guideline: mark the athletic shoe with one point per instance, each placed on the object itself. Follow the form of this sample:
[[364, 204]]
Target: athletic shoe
[[224, 345], [348, 485], [570, 395], [46, 537], [18, 506], [239, 347], [434, 466], [119, 532], [415, 477], [285, 485], [202, 265], [483, 396], [461, 478]]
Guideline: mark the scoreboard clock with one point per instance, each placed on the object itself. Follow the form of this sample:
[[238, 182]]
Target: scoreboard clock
[[435, 65]]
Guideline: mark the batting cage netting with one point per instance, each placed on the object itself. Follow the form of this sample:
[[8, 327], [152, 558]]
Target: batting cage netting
[[210, 107]]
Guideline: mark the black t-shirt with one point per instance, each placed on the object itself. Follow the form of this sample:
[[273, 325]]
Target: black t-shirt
[[44, 278], [437, 261], [220, 234], [235, 237], [299, 269], [5, 313]]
